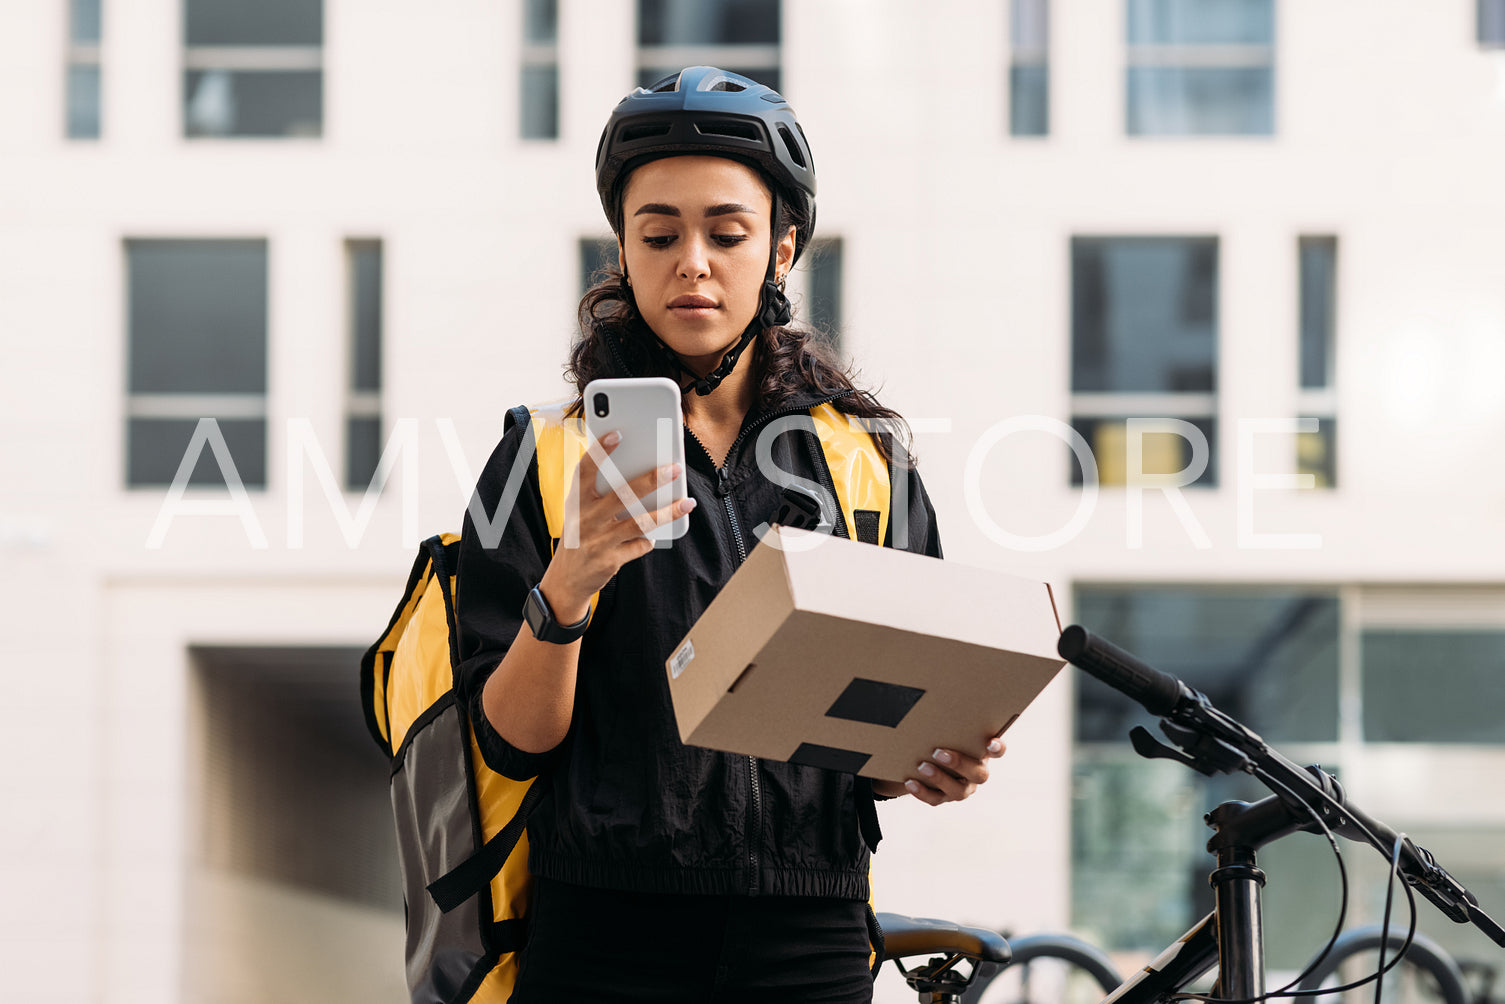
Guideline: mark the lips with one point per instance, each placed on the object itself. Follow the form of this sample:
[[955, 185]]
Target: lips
[[692, 302]]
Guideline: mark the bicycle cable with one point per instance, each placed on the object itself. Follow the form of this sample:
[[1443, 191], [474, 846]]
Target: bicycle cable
[[1374, 977]]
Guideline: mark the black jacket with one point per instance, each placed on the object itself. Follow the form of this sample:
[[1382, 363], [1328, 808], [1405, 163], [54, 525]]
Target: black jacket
[[631, 807]]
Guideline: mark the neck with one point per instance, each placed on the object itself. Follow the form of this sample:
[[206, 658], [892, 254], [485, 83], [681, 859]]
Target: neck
[[729, 403]]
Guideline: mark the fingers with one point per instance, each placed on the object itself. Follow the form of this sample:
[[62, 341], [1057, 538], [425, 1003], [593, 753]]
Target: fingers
[[590, 463], [950, 776], [644, 523]]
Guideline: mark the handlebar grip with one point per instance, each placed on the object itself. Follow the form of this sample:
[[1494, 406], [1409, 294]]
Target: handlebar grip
[[1158, 692]]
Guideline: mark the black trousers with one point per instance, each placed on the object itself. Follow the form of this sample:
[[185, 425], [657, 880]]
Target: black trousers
[[600, 945]]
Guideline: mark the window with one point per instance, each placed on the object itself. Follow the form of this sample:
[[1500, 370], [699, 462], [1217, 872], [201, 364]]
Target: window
[[1407, 670], [737, 35], [363, 432], [197, 348], [1201, 67], [1332, 675], [819, 289], [1144, 340], [253, 68], [83, 85], [540, 70], [1316, 450], [1029, 68], [1492, 23], [597, 255]]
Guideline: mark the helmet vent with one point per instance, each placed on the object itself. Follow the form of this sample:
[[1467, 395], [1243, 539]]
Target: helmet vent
[[727, 85], [725, 127], [793, 147], [646, 130]]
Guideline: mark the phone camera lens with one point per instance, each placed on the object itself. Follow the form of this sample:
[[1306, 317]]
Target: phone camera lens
[[602, 410]]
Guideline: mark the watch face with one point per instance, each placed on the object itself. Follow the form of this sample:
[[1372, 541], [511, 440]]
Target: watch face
[[536, 613]]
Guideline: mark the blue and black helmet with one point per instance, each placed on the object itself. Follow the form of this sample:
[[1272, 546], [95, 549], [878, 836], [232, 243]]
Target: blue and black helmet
[[703, 110]]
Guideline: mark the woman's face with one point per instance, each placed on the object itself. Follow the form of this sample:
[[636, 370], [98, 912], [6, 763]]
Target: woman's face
[[695, 247]]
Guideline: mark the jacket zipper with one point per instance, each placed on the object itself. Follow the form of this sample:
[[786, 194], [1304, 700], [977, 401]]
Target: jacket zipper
[[723, 489], [755, 802]]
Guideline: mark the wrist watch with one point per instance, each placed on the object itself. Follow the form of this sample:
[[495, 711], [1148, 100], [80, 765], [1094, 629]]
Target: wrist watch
[[545, 628]]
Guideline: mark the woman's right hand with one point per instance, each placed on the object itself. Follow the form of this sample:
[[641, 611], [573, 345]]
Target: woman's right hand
[[600, 535]]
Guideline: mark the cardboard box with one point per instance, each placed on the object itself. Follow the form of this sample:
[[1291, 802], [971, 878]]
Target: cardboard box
[[838, 654]]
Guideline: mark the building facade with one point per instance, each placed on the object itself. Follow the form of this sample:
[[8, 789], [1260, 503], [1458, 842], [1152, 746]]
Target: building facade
[[1197, 309]]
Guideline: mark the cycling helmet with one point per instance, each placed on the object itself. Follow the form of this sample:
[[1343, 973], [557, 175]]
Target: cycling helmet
[[703, 110]]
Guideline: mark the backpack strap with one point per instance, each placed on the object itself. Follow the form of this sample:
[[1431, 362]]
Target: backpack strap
[[471, 875], [861, 479], [858, 472], [560, 441]]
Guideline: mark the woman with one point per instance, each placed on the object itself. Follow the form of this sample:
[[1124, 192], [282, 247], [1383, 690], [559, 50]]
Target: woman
[[666, 872]]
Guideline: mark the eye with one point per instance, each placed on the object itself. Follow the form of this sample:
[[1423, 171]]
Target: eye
[[659, 242], [729, 240]]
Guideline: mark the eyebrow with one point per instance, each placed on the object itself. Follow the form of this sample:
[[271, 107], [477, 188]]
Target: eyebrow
[[664, 209]]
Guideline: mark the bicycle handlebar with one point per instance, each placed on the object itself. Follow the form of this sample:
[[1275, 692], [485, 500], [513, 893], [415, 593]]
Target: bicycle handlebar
[[1158, 692], [1213, 742]]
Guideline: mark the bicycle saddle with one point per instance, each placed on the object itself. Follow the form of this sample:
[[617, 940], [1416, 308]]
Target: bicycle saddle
[[905, 936]]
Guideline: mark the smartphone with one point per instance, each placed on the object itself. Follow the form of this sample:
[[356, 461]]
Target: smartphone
[[646, 412]]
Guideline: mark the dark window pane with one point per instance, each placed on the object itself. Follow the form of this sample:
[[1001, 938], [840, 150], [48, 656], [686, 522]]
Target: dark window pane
[[198, 317], [766, 75], [365, 314], [155, 447], [1319, 280], [708, 22], [1201, 101], [597, 255], [83, 101], [1163, 452], [824, 309], [1433, 686], [253, 22], [1317, 453], [1268, 657], [1139, 868], [1492, 22], [1029, 100], [540, 98], [1144, 314], [83, 22], [253, 103], [362, 452], [1201, 22], [541, 21]]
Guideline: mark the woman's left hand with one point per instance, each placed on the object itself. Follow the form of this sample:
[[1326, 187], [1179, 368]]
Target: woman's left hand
[[946, 776]]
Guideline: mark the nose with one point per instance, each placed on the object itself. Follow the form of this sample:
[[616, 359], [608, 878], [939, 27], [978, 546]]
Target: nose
[[694, 262]]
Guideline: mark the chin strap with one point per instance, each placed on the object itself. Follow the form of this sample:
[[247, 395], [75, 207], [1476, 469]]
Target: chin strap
[[773, 311]]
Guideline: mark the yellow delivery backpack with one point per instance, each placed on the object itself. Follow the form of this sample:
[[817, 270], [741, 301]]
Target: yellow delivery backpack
[[461, 827]]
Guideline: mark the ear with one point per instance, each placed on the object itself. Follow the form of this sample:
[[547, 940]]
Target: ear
[[621, 258], [786, 252]]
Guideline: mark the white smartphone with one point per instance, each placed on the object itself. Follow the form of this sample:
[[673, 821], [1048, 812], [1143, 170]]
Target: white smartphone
[[646, 412]]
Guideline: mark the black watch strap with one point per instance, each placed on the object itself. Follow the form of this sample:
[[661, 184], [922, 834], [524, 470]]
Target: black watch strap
[[543, 625]]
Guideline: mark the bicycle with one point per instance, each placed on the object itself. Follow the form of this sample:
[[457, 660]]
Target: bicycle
[[1231, 938]]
